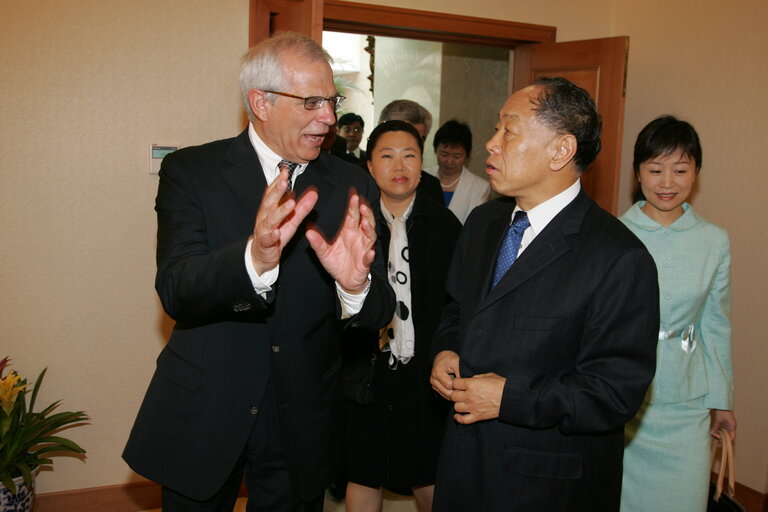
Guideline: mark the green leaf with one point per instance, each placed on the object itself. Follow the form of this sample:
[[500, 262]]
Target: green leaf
[[8, 483], [26, 472], [36, 388], [61, 444]]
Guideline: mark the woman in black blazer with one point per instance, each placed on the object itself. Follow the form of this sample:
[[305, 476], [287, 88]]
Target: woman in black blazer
[[394, 442]]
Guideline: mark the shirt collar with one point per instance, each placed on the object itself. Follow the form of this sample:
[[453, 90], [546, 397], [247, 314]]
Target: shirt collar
[[638, 217], [268, 158], [540, 215]]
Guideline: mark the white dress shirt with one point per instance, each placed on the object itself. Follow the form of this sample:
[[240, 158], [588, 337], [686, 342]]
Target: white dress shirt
[[543, 213], [351, 304]]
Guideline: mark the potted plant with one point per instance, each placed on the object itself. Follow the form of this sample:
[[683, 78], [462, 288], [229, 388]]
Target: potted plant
[[28, 438]]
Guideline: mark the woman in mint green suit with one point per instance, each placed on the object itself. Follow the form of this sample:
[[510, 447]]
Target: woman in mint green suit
[[666, 456]]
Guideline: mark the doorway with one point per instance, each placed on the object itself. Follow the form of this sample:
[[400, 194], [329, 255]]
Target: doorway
[[451, 80]]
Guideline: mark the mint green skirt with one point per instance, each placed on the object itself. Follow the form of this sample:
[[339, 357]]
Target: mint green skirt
[[667, 458]]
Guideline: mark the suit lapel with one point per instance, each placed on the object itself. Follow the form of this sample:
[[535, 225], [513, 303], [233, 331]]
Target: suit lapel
[[316, 176], [493, 235], [245, 176], [547, 247]]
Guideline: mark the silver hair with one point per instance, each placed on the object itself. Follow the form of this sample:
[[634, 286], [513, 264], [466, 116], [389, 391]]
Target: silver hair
[[262, 66], [408, 111]]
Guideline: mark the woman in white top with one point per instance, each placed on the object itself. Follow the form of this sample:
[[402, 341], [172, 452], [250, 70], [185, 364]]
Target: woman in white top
[[462, 190]]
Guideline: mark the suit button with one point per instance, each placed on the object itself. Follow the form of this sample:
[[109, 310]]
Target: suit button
[[275, 349], [241, 306], [254, 410]]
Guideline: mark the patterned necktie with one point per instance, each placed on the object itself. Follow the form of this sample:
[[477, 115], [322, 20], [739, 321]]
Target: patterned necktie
[[285, 165], [510, 245]]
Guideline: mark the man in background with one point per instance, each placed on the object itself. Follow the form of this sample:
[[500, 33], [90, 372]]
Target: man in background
[[351, 127]]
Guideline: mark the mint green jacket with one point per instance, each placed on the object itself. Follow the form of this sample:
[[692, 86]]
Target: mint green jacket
[[693, 259]]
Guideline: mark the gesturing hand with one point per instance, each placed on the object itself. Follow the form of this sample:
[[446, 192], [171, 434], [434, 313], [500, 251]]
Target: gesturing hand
[[276, 222], [348, 258]]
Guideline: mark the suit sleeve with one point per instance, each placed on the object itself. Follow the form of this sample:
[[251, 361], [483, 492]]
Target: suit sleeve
[[615, 363], [447, 334], [716, 336], [196, 282]]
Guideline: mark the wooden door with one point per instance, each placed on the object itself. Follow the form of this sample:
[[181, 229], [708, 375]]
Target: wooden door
[[270, 16], [599, 66]]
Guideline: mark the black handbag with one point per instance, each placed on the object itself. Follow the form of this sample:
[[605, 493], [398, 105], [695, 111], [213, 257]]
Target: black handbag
[[722, 499], [357, 379]]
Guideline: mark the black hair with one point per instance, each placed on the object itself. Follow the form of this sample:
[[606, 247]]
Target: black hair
[[454, 133], [665, 135], [350, 118], [662, 136], [391, 126], [568, 109]]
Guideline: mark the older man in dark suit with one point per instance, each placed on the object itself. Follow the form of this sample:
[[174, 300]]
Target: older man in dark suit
[[249, 381], [550, 341]]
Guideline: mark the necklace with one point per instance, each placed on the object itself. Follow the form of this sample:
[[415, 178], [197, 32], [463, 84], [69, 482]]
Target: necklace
[[454, 182]]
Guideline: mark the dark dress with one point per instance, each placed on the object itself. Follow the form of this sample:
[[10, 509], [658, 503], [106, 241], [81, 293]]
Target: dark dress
[[395, 441]]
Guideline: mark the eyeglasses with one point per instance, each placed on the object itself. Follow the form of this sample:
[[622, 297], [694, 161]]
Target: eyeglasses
[[349, 129], [314, 102]]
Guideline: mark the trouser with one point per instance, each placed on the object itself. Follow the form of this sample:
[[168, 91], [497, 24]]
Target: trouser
[[266, 474]]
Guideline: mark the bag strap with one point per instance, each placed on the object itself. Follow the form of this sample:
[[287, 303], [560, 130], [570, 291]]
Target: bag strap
[[727, 464]]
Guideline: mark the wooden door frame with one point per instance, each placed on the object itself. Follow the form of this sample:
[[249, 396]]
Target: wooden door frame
[[379, 20]]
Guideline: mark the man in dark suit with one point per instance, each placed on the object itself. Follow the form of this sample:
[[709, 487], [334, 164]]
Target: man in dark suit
[[351, 128], [249, 381], [547, 349]]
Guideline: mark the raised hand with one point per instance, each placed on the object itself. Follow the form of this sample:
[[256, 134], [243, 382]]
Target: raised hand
[[348, 257], [277, 220]]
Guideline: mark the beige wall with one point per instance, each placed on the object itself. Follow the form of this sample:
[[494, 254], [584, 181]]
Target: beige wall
[[705, 62], [87, 85]]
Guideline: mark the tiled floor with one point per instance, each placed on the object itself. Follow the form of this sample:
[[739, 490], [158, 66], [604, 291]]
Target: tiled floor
[[392, 503]]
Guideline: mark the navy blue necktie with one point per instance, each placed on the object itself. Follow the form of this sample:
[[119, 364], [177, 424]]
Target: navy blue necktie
[[510, 245], [290, 167]]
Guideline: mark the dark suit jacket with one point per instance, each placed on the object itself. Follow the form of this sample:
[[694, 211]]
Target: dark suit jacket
[[573, 327], [430, 187], [229, 342]]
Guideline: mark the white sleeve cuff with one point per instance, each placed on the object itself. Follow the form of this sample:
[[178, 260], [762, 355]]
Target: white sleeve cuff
[[351, 304], [261, 283]]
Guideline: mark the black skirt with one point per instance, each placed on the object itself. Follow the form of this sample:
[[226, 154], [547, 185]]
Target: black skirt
[[394, 442]]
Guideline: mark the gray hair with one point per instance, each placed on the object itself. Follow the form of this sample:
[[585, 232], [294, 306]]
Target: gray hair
[[262, 66], [408, 111]]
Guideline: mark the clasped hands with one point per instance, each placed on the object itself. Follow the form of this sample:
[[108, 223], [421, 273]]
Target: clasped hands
[[476, 398], [347, 258]]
